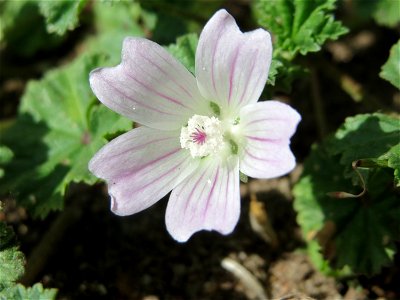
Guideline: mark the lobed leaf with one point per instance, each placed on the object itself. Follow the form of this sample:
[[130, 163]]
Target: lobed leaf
[[61, 124], [12, 263], [58, 130], [391, 69], [367, 136], [392, 160], [282, 73], [299, 26], [12, 260], [37, 292], [364, 228], [23, 30], [61, 15]]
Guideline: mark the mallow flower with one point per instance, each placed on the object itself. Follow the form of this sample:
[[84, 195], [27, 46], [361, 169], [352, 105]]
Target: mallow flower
[[198, 132]]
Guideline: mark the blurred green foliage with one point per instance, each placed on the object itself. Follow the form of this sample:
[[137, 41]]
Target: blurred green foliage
[[391, 69], [23, 29], [6, 156], [61, 15], [386, 12]]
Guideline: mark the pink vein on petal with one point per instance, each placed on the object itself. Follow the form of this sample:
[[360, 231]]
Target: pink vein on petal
[[263, 139], [162, 175], [165, 73], [134, 100], [168, 61], [139, 147], [192, 191], [127, 173], [249, 77], [255, 86], [259, 158], [232, 72], [177, 167], [154, 91], [264, 120], [220, 31], [210, 194], [170, 89], [226, 193]]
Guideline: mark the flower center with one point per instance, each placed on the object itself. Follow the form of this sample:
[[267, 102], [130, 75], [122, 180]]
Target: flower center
[[202, 136]]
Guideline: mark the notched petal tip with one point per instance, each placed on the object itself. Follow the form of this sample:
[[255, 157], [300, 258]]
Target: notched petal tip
[[221, 13], [179, 237], [268, 127], [183, 237], [209, 199], [116, 208], [130, 44], [231, 66], [93, 79], [113, 205]]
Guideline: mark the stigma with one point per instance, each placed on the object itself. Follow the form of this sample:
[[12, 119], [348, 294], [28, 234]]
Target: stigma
[[202, 136]]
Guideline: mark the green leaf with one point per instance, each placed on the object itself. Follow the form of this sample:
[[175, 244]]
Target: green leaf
[[392, 158], [185, 50], [36, 292], [367, 243], [276, 64], [23, 30], [283, 72], [7, 236], [391, 69], [5, 154], [319, 177], [387, 13], [174, 18], [12, 261], [111, 30], [58, 130], [384, 12], [5, 157], [60, 126], [364, 136], [61, 15], [129, 14], [365, 227], [243, 177], [299, 26]]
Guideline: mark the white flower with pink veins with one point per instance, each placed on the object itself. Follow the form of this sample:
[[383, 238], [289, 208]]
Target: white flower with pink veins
[[198, 131]]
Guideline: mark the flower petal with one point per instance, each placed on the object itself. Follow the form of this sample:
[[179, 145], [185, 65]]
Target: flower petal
[[149, 86], [140, 167], [231, 66], [267, 127], [207, 199]]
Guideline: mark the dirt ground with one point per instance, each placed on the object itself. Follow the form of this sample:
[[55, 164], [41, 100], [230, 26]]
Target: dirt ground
[[89, 253]]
